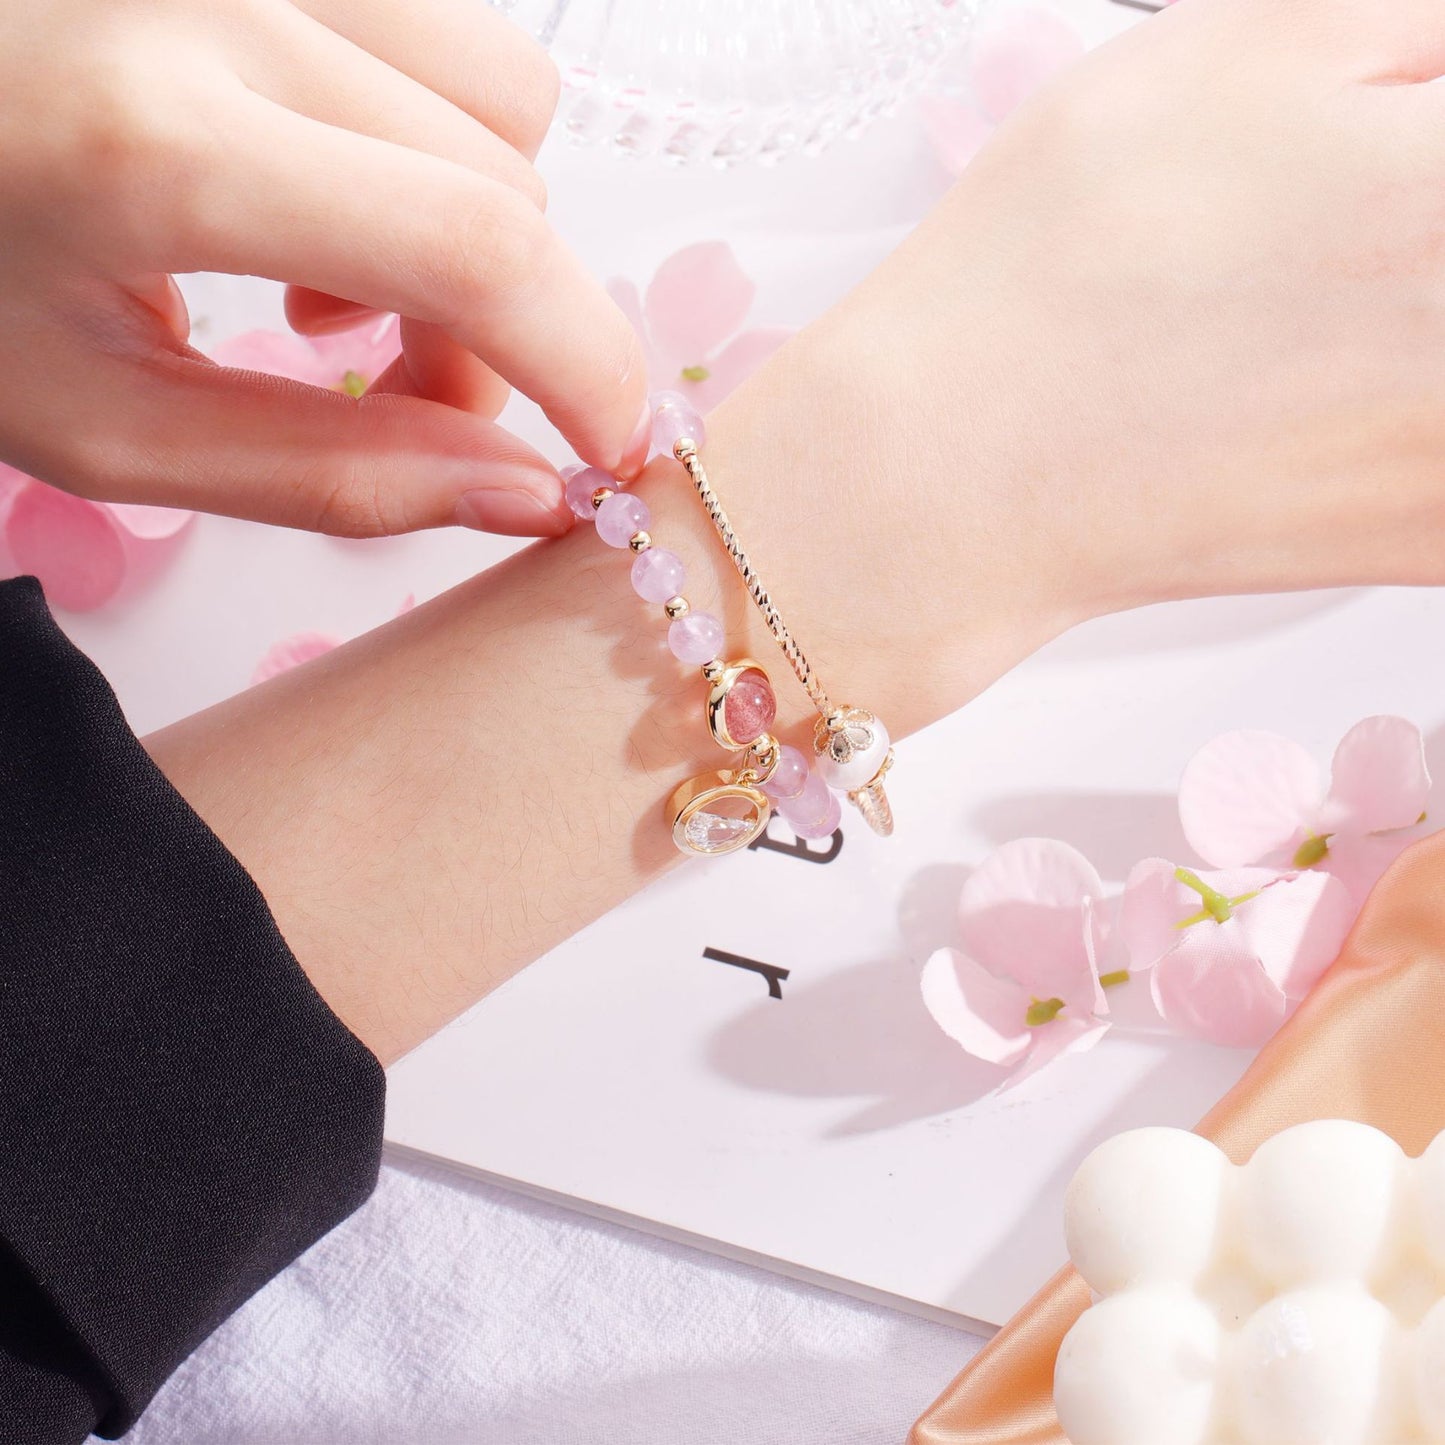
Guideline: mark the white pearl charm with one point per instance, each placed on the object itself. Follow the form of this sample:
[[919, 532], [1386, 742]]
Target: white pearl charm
[[862, 764]]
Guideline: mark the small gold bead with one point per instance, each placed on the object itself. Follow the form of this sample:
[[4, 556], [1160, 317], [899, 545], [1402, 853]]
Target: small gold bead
[[639, 541], [712, 670], [676, 607], [601, 495], [684, 449]]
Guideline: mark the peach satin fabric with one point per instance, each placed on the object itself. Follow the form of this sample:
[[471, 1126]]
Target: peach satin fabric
[[1369, 1044]]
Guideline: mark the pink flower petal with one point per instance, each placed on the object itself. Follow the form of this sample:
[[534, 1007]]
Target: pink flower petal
[[1022, 916], [1379, 780], [733, 365], [11, 482], [956, 130], [275, 352], [1249, 797], [73, 546], [1055, 1041], [1211, 987], [1359, 861], [1296, 927], [367, 350], [292, 652], [659, 366], [984, 1015], [1012, 60], [699, 297], [151, 524], [1156, 903]]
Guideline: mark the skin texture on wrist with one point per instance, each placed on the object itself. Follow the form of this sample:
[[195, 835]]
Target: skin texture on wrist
[[433, 806]]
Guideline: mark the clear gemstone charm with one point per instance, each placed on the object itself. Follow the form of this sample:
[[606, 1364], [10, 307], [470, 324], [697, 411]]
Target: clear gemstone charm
[[711, 833], [716, 813]]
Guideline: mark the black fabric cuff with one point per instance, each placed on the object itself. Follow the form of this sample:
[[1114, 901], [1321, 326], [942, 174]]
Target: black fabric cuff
[[181, 1115]]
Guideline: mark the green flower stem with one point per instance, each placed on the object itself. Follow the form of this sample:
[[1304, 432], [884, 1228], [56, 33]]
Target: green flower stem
[[1216, 905]]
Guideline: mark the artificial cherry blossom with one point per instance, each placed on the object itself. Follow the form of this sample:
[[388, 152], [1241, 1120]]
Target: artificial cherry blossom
[[1023, 988], [348, 361], [1232, 952], [690, 320], [1258, 798]]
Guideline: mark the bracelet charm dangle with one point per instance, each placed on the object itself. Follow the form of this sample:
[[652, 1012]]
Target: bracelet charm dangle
[[717, 813], [854, 755]]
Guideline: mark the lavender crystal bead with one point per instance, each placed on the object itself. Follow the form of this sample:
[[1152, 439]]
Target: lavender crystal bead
[[620, 516], [823, 827], [695, 638], [789, 777], [657, 575], [674, 417], [809, 805], [580, 486]]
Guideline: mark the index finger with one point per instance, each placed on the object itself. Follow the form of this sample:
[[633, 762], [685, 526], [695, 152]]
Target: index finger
[[399, 230]]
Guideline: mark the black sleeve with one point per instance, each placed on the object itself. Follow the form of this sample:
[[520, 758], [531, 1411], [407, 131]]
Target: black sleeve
[[180, 1113]]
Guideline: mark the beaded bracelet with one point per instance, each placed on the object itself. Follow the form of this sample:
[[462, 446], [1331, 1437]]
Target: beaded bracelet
[[723, 811], [851, 745]]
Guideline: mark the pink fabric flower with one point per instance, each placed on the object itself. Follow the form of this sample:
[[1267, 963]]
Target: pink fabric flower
[[292, 652], [349, 361], [1024, 988], [1258, 798], [690, 322], [1007, 63], [305, 646], [1231, 952], [84, 553]]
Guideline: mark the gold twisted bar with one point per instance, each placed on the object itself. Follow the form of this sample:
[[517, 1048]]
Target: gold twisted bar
[[686, 453], [871, 799]]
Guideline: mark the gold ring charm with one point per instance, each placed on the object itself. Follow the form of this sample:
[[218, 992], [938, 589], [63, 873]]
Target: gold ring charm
[[741, 706], [700, 827]]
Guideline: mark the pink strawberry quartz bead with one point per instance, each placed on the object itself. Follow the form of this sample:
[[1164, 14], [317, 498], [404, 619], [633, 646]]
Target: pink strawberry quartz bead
[[658, 575], [695, 638], [581, 484], [750, 708], [673, 418], [620, 516], [815, 812], [789, 777]]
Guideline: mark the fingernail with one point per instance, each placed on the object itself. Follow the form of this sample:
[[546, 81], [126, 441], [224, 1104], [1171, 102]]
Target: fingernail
[[512, 512], [634, 454]]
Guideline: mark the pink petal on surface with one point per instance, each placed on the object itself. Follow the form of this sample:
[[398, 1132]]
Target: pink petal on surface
[[1379, 780], [11, 482], [1021, 914], [1156, 903], [292, 652], [1249, 797], [956, 130], [1296, 927], [367, 349], [1020, 55], [699, 297], [1360, 860], [1055, 1041], [1211, 987], [151, 524], [275, 352], [73, 546], [982, 1014], [733, 365]]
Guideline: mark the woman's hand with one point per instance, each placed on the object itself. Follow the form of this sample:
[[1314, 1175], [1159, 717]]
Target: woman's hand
[[1179, 330], [360, 149]]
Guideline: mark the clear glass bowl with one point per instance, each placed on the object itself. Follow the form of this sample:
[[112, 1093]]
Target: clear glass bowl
[[725, 81]]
